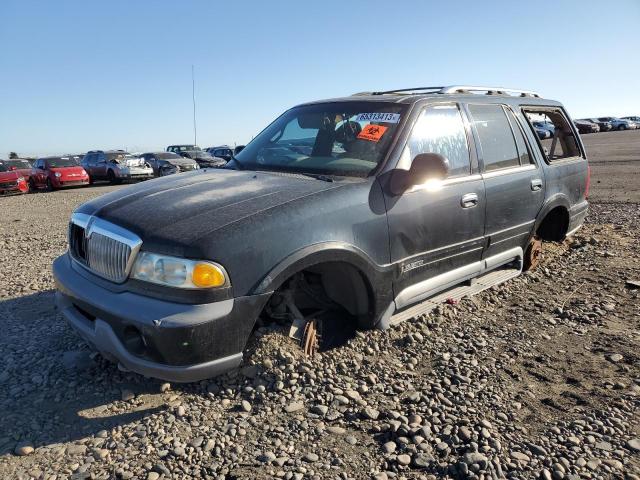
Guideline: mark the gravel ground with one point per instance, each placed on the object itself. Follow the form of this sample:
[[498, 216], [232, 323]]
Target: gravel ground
[[537, 378]]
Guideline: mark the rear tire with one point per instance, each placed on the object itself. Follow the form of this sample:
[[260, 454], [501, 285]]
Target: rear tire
[[112, 177], [32, 186], [50, 185]]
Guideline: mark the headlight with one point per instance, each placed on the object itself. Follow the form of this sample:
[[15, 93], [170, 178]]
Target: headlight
[[57, 174], [178, 272]]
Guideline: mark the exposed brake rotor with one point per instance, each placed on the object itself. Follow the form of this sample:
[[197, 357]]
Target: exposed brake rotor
[[533, 255], [310, 341]]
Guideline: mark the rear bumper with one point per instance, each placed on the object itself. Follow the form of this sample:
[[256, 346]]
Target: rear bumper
[[577, 214], [172, 341]]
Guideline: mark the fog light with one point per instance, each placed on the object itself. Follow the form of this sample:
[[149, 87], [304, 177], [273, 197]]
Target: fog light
[[206, 275]]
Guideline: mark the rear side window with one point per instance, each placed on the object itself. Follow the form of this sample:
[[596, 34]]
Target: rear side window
[[496, 137], [561, 141], [523, 149], [440, 129]]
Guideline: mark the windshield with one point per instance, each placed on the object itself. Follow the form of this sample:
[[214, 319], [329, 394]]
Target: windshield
[[167, 156], [18, 163], [340, 138], [187, 148], [61, 162]]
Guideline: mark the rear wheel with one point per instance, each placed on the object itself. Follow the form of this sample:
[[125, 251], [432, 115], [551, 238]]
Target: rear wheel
[[50, 185]]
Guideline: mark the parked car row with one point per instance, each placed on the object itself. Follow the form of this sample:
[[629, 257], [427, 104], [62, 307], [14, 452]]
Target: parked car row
[[114, 166], [606, 124]]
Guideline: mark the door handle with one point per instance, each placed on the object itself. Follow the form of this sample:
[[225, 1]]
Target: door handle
[[469, 200], [536, 184]]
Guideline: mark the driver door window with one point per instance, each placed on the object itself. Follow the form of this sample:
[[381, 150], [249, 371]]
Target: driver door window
[[440, 129]]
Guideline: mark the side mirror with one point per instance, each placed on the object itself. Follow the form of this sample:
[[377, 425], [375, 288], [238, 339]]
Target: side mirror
[[425, 167]]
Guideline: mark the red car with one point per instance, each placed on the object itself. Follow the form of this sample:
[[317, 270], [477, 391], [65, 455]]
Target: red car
[[11, 181], [20, 165], [57, 172]]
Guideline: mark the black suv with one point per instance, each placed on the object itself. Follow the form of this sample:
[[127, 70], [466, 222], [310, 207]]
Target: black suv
[[364, 209]]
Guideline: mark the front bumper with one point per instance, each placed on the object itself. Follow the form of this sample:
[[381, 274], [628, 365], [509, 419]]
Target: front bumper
[[70, 182], [172, 341], [20, 187], [135, 173]]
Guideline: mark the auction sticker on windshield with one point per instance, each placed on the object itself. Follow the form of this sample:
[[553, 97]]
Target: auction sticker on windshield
[[372, 132], [378, 117]]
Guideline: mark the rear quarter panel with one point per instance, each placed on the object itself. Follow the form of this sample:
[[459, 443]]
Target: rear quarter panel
[[565, 180]]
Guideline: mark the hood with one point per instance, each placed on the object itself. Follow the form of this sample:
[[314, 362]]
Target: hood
[[173, 213], [179, 161]]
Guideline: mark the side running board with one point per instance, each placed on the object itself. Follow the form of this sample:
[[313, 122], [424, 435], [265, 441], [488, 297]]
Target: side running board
[[472, 287]]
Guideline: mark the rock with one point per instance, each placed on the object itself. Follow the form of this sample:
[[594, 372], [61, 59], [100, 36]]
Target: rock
[[294, 407], [320, 410], [464, 433], [74, 449], [537, 450], [389, 447], [336, 430], [470, 458], [181, 411], [634, 444], [179, 452], [370, 413], [153, 476], [521, 457], [310, 457], [127, 395], [267, 457], [615, 357], [245, 406], [422, 460], [23, 449], [165, 387], [403, 459]]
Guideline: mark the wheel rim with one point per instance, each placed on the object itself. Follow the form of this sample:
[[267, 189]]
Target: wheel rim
[[533, 255]]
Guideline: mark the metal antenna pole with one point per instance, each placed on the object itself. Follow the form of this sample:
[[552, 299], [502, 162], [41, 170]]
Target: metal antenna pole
[[193, 96]]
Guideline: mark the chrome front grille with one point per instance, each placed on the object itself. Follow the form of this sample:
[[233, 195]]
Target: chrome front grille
[[102, 247]]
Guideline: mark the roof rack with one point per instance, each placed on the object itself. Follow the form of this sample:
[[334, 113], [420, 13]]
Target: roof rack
[[457, 89]]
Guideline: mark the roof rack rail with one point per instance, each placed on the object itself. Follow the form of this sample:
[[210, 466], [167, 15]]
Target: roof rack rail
[[457, 89], [488, 90]]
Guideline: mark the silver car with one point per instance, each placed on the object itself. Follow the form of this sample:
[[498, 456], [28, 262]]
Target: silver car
[[168, 163], [116, 166]]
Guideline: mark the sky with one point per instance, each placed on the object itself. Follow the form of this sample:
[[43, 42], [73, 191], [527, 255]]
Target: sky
[[81, 75]]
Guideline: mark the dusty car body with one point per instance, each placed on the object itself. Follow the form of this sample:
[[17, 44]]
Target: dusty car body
[[169, 163], [116, 166], [368, 205]]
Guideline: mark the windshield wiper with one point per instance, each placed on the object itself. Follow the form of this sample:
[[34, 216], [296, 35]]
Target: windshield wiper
[[317, 176]]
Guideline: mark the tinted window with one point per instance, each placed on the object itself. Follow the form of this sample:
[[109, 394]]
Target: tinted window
[[496, 139], [523, 150], [440, 130], [3, 168]]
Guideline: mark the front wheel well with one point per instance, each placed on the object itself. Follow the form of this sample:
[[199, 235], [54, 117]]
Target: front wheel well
[[554, 225], [326, 286]]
